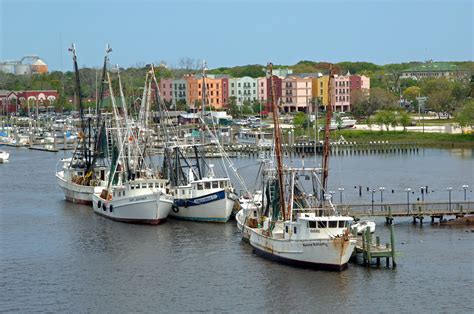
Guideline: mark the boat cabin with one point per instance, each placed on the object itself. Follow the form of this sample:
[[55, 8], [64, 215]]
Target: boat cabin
[[311, 226]]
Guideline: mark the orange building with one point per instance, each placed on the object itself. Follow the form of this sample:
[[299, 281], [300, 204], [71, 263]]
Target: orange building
[[217, 90]]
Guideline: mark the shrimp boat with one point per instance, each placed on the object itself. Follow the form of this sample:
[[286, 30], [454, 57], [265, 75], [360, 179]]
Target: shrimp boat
[[79, 175], [199, 194], [297, 223], [134, 193]]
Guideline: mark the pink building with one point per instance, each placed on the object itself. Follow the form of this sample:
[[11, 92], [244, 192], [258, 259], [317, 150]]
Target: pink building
[[341, 95], [166, 90], [296, 93], [262, 89]]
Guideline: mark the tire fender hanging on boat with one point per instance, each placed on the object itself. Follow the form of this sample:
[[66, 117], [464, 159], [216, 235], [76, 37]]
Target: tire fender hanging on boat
[[175, 208]]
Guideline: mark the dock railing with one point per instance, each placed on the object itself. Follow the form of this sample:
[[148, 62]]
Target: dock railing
[[407, 209]]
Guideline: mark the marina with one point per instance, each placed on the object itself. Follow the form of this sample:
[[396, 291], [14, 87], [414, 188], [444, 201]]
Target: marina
[[76, 249]]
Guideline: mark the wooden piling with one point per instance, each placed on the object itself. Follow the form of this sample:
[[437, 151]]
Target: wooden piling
[[392, 245]]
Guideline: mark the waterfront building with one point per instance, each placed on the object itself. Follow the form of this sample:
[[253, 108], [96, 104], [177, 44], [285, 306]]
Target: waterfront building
[[296, 93], [277, 81], [342, 93], [166, 90], [262, 89], [179, 90], [216, 91], [12, 101], [435, 70], [244, 89], [320, 89]]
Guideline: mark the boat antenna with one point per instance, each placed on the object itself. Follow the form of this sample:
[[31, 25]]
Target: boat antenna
[[326, 147], [278, 149]]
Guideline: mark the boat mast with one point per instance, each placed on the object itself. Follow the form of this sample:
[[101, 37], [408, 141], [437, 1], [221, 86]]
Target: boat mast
[[79, 103], [326, 147], [276, 121], [108, 49], [204, 101]]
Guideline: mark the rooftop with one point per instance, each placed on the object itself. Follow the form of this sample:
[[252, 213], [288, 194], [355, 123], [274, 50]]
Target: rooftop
[[434, 67]]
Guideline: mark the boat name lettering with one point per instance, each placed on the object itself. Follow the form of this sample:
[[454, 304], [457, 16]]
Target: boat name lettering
[[205, 199], [315, 244], [134, 199]]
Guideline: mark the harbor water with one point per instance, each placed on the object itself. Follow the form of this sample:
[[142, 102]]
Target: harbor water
[[60, 257]]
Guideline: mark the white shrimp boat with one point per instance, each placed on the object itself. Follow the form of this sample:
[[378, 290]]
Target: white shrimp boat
[[77, 185], [207, 198], [298, 223], [80, 175], [136, 201]]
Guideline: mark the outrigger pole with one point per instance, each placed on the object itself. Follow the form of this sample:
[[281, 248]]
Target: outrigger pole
[[277, 131]]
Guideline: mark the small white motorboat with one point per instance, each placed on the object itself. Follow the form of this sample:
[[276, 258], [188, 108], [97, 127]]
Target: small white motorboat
[[361, 226], [4, 156]]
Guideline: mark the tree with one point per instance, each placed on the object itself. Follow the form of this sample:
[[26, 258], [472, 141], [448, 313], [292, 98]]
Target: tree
[[234, 110], [440, 101], [300, 119], [411, 93], [404, 119], [382, 99], [360, 104], [181, 105], [385, 118], [465, 115]]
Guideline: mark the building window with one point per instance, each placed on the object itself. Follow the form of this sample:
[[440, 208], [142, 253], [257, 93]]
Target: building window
[[232, 84], [217, 85]]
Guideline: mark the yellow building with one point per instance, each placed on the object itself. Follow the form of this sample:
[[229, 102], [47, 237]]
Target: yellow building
[[320, 89]]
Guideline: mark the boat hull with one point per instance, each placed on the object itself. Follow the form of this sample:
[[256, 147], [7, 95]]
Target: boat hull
[[145, 209], [75, 193], [244, 230], [329, 254], [215, 207]]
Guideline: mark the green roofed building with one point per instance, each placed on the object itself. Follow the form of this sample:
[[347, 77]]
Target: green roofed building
[[435, 70]]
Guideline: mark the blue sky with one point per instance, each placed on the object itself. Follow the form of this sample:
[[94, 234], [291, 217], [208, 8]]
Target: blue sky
[[237, 32]]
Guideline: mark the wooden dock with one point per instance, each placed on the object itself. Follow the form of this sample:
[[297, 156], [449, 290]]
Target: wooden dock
[[370, 250]]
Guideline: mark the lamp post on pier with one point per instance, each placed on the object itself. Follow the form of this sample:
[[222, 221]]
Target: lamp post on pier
[[341, 189], [449, 189], [372, 191], [408, 190], [382, 188], [465, 187]]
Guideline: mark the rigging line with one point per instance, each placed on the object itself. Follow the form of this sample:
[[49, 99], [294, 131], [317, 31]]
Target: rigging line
[[231, 166]]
